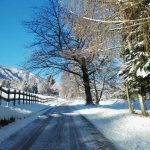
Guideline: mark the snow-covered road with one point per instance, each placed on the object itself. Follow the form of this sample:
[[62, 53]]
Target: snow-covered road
[[60, 128]]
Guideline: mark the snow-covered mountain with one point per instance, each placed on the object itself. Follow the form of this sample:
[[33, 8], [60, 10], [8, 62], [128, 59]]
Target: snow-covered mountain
[[21, 80], [17, 75]]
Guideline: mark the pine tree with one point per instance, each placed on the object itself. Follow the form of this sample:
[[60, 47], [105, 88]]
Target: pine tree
[[136, 51]]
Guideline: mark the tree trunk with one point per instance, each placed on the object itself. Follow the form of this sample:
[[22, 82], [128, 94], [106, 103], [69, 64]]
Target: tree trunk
[[97, 97], [86, 82], [95, 88], [131, 109], [142, 104], [78, 86], [101, 93]]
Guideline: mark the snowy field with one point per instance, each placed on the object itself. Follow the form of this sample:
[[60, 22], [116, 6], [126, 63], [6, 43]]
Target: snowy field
[[24, 110], [19, 111], [112, 118], [24, 114]]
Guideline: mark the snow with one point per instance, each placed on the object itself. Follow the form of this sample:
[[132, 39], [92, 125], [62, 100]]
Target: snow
[[111, 21], [112, 118], [144, 72], [19, 111], [7, 131], [25, 110], [24, 114], [14, 74]]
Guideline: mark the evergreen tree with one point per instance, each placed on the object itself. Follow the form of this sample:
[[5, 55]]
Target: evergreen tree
[[136, 51]]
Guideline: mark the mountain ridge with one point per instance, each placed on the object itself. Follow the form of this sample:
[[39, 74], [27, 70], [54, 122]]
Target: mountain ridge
[[16, 74]]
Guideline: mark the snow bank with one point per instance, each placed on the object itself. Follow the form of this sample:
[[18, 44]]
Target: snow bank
[[23, 115], [24, 110], [113, 119], [33, 111], [10, 129], [19, 111]]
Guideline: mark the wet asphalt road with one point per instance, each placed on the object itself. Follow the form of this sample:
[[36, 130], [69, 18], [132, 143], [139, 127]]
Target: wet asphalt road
[[58, 129]]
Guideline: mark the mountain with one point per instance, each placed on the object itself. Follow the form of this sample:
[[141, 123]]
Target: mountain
[[17, 75], [19, 79]]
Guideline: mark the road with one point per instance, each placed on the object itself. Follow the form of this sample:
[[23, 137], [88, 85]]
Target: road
[[58, 129]]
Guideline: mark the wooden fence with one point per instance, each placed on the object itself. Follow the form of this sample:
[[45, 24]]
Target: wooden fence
[[16, 96]]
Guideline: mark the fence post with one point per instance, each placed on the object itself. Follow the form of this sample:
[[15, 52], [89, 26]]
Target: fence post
[[19, 98], [23, 97], [14, 98], [0, 95], [8, 97], [29, 97], [26, 98], [35, 99]]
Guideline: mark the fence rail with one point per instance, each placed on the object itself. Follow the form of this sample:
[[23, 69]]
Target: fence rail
[[10, 95]]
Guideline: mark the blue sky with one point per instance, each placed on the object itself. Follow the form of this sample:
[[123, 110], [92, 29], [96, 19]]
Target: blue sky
[[13, 36]]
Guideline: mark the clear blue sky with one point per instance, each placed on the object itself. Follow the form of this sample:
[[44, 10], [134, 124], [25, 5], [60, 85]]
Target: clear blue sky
[[13, 36]]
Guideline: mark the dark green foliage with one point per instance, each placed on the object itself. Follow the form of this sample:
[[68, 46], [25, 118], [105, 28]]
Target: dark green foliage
[[136, 39]]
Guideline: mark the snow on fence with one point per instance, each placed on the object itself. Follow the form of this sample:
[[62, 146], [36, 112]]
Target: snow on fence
[[11, 95]]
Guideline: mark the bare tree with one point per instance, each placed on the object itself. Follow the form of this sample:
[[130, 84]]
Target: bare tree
[[70, 86], [105, 78], [58, 47]]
